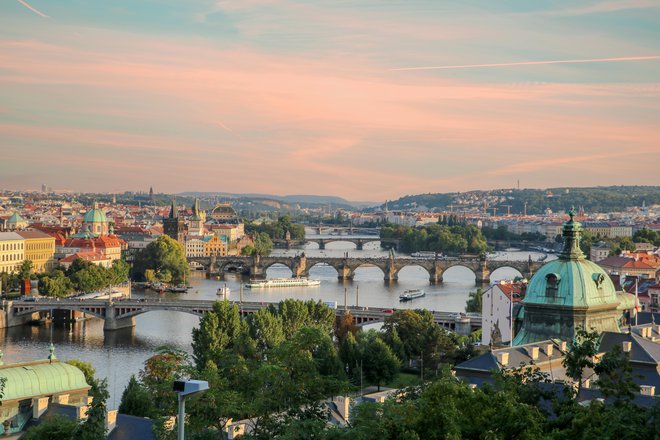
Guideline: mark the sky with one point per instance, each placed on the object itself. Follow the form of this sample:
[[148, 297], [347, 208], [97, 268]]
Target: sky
[[367, 100]]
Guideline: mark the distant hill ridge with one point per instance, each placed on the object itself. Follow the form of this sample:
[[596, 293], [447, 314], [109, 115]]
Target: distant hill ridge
[[591, 199]]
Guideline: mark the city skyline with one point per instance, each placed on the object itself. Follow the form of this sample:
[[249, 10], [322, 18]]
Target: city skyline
[[365, 102]]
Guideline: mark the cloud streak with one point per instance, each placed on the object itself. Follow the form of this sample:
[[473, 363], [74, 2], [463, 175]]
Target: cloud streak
[[36, 11], [533, 63]]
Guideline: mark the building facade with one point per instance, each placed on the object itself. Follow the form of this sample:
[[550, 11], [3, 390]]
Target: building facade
[[173, 226], [498, 311], [40, 249], [12, 251]]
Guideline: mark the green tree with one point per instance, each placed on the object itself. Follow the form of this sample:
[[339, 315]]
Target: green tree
[[25, 270], [266, 329], [56, 284], [646, 235], [580, 354], [378, 363], [136, 400], [262, 244], [219, 329], [88, 369], [94, 427], [475, 301], [52, 428], [161, 256]]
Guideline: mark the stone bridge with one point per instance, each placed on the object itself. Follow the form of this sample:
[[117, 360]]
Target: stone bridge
[[359, 242], [122, 313], [256, 267]]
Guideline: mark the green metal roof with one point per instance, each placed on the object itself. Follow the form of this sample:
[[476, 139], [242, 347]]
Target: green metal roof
[[571, 280], [95, 215], [41, 378], [16, 218]]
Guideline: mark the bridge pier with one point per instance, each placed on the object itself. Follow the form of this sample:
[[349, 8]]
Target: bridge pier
[[391, 274], [112, 323], [321, 244], [9, 319], [345, 273], [299, 268], [360, 245], [483, 274], [435, 275]]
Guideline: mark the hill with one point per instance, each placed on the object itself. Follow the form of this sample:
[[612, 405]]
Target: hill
[[595, 199]]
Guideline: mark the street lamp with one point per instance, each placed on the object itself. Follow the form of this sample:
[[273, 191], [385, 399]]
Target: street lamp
[[185, 388]]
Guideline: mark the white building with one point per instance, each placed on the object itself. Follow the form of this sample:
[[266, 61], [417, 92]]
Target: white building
[[496, 310], [194, 246]]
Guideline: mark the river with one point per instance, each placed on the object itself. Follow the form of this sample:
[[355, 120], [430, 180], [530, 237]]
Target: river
[[117, 355]]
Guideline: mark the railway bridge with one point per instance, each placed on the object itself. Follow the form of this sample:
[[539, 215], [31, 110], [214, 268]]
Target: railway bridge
[[121, 314]]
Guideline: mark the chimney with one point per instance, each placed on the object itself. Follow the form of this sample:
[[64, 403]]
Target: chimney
[[343, 406], [533, 352], [562, 346], [503, 358], [647, 390], [39, 406], [548, 349], [627, 345], [586, 383]]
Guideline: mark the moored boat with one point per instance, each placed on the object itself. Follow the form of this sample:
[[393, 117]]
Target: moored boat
[[282, 282], [223, 291], [410, 294]]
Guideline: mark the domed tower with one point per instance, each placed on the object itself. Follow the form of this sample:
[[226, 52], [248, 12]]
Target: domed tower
[[569, 293], [197, 220], [95, 221]]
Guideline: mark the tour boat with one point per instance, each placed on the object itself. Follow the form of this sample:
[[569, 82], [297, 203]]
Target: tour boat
[[282, 282], [409, 294], [223, 291], [426, 254]]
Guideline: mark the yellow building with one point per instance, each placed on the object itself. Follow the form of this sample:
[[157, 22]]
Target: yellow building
[[214, 245], [40, 249], [12, 251]]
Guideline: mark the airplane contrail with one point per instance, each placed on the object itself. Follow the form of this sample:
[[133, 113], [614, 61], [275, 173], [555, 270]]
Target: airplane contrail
[[24, 3], [532, 63]]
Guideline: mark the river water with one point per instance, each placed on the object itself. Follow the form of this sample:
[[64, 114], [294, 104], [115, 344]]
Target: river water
[[117, 355]]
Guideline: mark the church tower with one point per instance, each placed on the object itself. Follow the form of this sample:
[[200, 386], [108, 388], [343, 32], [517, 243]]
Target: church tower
[[173, 226], [197, 220], [569, 293]]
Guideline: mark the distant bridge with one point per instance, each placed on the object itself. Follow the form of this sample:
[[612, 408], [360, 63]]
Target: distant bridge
[[122, 313], [359, 242], [300, 265]]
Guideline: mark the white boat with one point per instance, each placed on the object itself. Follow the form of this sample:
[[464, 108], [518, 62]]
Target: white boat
[[409, 294], [224, 291], [426, 254], [282, 282]]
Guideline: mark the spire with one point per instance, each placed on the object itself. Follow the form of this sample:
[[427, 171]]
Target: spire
[[173, 213], [572, 233]]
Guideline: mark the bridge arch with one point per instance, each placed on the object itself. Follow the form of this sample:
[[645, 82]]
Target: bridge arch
[[366, 267], [406, 270], [453, 269], [321, 266], [505, 272], [278, 266]]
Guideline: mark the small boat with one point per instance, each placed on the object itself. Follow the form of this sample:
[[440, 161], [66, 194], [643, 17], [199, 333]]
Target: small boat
[[410, 294], [282, 282], [177, 289], [223, 291]]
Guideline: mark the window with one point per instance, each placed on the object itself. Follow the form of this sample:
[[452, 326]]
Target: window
[[552, 284]]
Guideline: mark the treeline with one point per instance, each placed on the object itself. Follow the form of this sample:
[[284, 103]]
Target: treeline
[[502, 233], [278, 365], [82, 276], [457, 239], [277, 230], [599, 199]]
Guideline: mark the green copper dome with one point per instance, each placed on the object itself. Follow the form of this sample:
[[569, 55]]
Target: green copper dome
[[95, 215], [568, 293], [16, 218]]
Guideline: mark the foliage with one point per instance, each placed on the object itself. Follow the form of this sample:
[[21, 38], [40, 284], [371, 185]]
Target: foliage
[[136, 401], [219, 329], [377, 361], [536, 201], [456, 239], [503, 233], [278, 230], [55, 284], [94, 427], [646, 235], [25, 270], [165, 257], [262, 244], [52, 428], [475, 301], [88, 369], [580, 354]]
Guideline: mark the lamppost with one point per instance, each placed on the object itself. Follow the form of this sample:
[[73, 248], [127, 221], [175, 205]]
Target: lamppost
[[185, 388]]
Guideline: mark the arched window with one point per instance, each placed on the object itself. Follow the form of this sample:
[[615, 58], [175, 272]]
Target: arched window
[[552, 284]]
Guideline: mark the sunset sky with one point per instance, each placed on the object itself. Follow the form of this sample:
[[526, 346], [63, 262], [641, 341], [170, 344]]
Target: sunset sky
[[317, 97]]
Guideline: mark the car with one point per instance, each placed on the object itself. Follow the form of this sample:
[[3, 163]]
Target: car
[[388, 311]]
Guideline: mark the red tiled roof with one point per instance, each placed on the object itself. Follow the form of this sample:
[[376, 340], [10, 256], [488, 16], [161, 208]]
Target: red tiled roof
[[87, 256]]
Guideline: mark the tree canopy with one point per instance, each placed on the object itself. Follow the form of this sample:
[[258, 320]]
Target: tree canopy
[[165, 257]]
